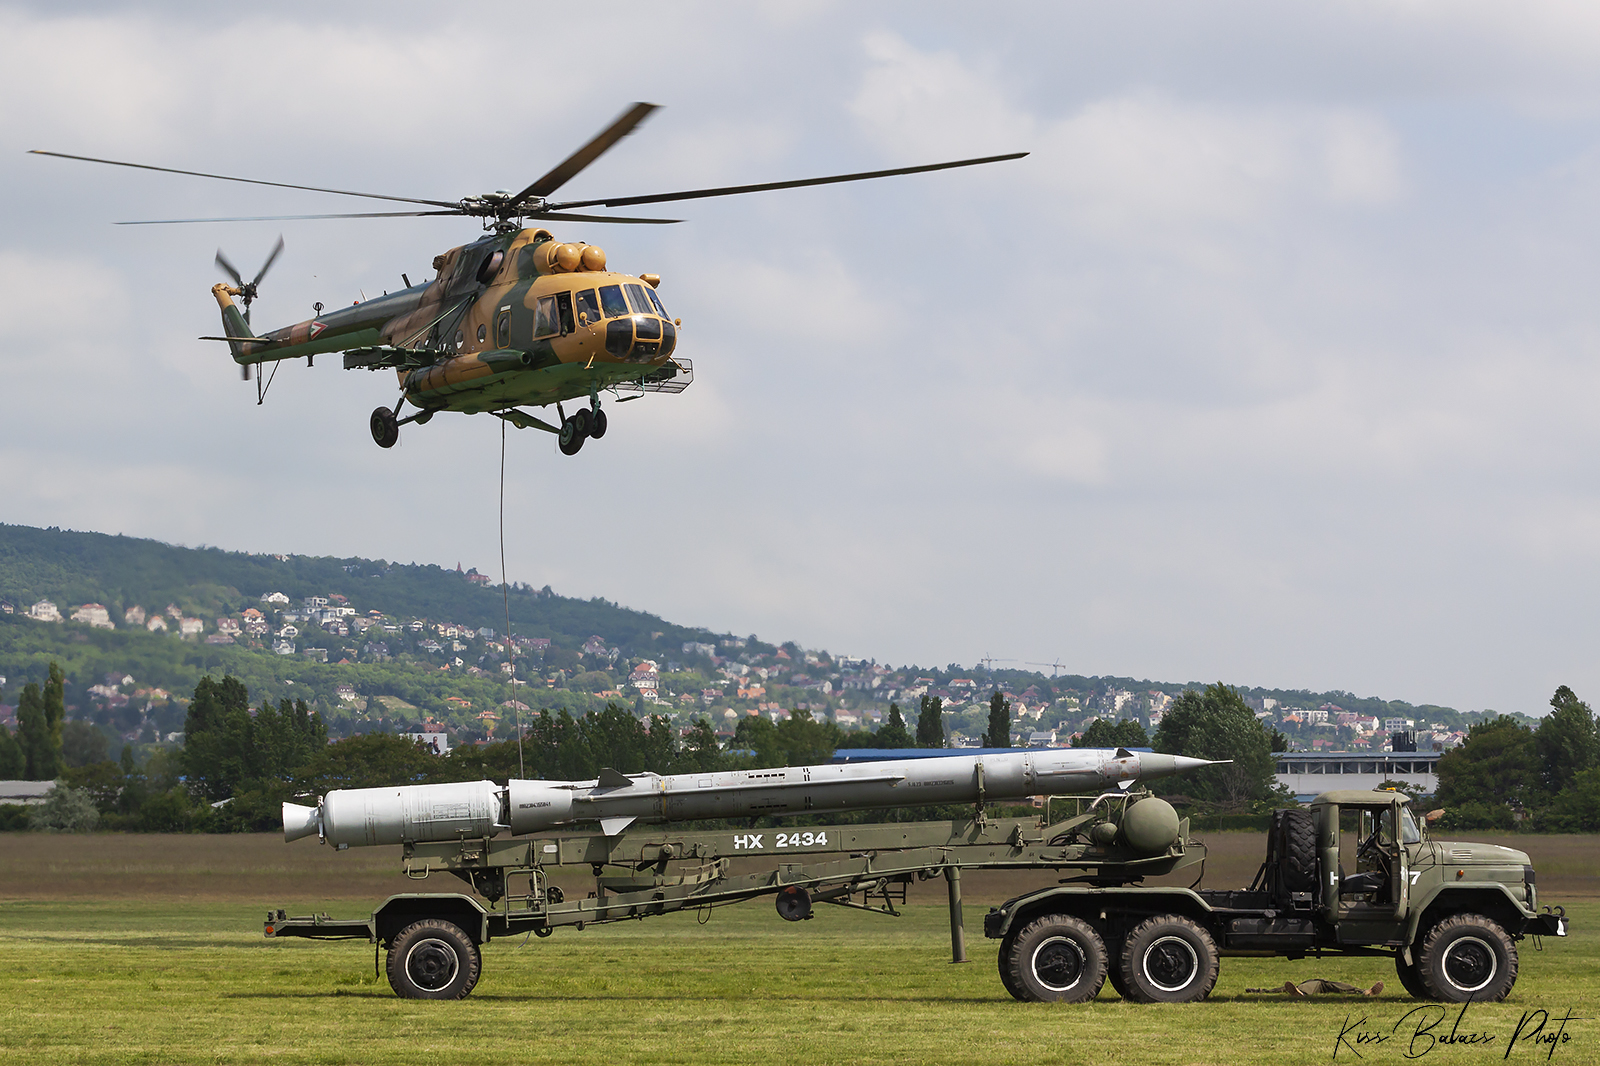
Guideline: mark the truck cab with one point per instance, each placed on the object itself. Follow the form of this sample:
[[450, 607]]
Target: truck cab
[[1354, 873]]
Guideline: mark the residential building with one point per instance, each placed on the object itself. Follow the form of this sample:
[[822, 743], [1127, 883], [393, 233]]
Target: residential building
[[44, 611], [94, 614]]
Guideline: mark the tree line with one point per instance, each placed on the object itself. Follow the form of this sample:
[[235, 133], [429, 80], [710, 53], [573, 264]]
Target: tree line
[[238, 763]]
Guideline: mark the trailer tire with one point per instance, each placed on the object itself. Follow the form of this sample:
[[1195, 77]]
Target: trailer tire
[[1054, 959], [1411, 979], [1468, 958], [1299, 853], [433, 959], [1168, 959]]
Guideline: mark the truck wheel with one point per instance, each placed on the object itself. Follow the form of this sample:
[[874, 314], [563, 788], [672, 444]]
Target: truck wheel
[[1168, 959], [1114, 974], [1007, 946], [1411, 979], [1299, 856], [1055, 959], [433, 959], [1468, 958]]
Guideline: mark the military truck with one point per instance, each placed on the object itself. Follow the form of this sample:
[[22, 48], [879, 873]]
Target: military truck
[[1450, 913]]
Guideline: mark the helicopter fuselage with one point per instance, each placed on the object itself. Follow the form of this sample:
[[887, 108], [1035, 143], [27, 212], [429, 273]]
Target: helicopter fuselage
[[512, 320]]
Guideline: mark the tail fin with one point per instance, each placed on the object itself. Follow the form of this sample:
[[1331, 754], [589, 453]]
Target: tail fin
[[233, 324]]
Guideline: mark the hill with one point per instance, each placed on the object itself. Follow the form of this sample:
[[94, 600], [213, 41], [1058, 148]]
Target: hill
[[376, 644]]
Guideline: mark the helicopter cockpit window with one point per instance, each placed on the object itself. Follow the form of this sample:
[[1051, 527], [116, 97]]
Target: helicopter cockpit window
[[611, 299], [502, 329], [564, 311], [640, 302], [588, 306], [547, 324], [662, 311], [483, 333]]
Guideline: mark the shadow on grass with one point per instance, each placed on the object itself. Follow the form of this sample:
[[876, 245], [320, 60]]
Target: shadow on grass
[[491, 997]]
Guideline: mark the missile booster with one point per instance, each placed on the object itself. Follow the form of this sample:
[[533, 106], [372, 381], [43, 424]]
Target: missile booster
[[409, 814]]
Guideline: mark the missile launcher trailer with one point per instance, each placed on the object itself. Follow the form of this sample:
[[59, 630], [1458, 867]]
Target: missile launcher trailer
[[433, 939], [1449, 913]]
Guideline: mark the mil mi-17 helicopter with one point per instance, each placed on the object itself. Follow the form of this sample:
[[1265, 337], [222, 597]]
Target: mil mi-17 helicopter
[[513, 320]]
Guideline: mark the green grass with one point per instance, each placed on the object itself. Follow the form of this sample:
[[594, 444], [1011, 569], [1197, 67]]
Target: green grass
[[154, 981]]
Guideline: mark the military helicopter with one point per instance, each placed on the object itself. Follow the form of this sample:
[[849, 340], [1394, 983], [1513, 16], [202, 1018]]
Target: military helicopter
[[513, 320]]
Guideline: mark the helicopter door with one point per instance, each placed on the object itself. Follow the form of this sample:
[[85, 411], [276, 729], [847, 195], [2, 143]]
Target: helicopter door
[[564, 312], [502, 329]]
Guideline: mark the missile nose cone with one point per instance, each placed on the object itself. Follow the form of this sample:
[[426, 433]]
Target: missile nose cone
[[1183, 762], [300, 821], [1155, 764]]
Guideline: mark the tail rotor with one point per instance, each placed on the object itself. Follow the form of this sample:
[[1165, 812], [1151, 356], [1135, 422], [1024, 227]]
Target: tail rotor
[[247, 291]]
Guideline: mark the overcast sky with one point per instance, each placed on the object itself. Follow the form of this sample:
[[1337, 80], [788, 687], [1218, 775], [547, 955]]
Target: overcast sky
[[1276, 362]]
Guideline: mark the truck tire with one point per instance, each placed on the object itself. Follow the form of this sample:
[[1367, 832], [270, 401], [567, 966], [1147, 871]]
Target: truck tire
[[433, 959], [1411, 979], [1168, 959], [1299, 852], [1468, 958], [1114, 974], [1054, 959]]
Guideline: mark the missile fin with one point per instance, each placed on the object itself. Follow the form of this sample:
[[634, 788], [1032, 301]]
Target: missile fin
[[1125, 783], [610, 778], [612, 826], [1123, 753]]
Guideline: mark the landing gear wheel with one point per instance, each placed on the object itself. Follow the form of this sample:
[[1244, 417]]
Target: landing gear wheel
[[433, 959], [571, 438], [1055, 959], [1468, 958], [1299, 855], [1411, 979], [580, 422], [597, 424], [385, 427], [1168, 959]]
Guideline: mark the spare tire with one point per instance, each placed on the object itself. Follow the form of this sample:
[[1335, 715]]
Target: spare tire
[[1297, 851]]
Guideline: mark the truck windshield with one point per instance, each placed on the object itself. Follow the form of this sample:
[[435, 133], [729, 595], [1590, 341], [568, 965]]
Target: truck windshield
[[1409, 833]]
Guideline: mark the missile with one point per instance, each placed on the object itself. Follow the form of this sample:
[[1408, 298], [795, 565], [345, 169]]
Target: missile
[[405, 814]]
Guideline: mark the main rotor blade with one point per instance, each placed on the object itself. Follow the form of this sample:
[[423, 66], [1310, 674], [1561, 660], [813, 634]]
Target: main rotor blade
[[567, 168], [287, 218], [229, 269], [563, 216], [248, 181], [735, 190], [264, 266]]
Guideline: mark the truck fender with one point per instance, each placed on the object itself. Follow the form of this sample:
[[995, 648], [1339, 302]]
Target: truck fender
[[1088, 903], [1491, 899], [399, 911]]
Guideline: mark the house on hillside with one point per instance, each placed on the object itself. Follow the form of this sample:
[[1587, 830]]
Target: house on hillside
[[44, 611], [230, 626], [645, 677], [133, 616], [276, 598], [191, 627], [156, 624], [94, 614]]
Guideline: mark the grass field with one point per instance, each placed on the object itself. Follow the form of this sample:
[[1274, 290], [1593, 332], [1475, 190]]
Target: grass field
[[148, 949]]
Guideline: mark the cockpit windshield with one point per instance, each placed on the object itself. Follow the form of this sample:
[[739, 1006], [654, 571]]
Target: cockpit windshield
[[662, 311], [611, 299], [588, 307], [639, 301]]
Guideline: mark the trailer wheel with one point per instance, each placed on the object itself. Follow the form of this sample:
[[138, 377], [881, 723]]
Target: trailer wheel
[[1468, 958], [1299, 856], [1168, 959], [433, 959], [1411, 979], [1054, 959]]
